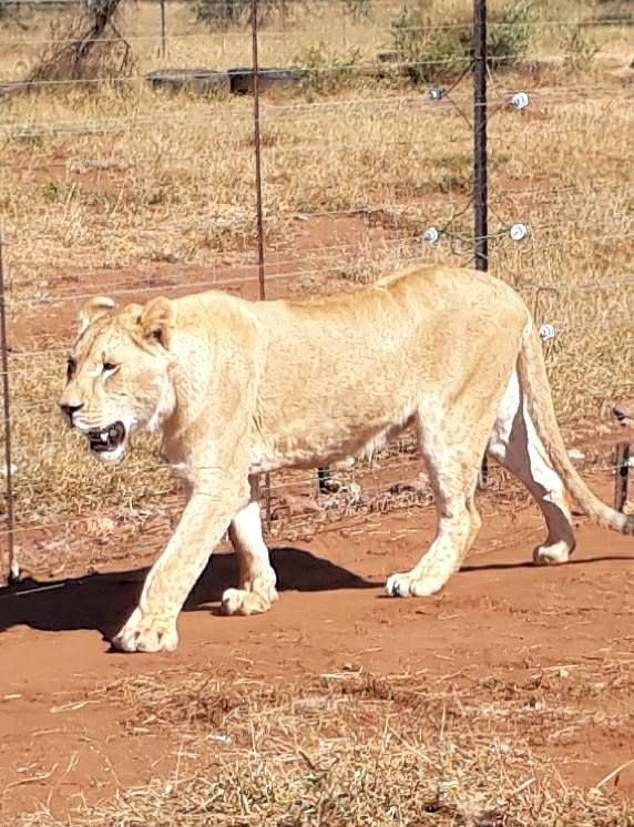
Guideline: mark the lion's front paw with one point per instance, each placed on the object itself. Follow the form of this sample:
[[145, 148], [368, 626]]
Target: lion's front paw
[[552, 555], [145, 633], [241, 602], [398, 585], [264, 585], [409, 585]]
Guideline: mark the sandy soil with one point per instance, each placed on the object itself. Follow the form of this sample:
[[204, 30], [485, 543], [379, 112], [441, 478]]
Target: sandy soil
[[499, 618]]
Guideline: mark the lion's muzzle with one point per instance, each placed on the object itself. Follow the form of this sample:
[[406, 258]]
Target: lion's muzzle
[[107, 440]]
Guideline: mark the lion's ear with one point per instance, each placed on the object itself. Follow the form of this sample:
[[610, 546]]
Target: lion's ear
[[157, 321], [93, 310]]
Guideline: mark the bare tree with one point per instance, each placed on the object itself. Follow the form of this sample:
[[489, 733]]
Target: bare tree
[[89, 44]]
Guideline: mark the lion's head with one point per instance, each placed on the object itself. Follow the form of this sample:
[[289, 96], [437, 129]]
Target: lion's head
[[624, 412], [118, 373]]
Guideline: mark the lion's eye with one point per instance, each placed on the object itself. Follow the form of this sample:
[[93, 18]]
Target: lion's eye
[[109, 367], [71, 367]]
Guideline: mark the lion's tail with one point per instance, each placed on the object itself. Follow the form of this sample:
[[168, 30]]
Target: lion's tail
[[534, 379]]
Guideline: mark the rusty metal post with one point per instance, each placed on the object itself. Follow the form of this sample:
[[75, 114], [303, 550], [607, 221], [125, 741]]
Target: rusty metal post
[[258, 198], [13, 570], [163, 29], [257, 144], [480, 157], [621, 478]]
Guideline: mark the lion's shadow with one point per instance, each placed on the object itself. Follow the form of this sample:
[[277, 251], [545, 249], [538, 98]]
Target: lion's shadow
[[103, 601]]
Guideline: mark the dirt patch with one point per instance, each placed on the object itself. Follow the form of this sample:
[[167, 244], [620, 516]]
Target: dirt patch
[[545, 652]]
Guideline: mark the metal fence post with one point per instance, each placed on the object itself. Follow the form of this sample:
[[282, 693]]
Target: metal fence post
[[163, 29], [480, 183], [622, 474], [258, 198], [13, 571], [257, 145]]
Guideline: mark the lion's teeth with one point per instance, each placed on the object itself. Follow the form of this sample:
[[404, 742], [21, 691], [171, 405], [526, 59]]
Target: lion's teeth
[[104, 436]]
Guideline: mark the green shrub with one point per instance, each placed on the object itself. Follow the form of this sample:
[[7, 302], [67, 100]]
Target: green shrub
[[431, 52], [219, 14], [222, 14], [511, 33], [357, 9], [579, 47], [428, 52], [328, 69]]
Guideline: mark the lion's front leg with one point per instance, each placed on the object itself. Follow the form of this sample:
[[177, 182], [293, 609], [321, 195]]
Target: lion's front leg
[[152, 625], [257, 590]]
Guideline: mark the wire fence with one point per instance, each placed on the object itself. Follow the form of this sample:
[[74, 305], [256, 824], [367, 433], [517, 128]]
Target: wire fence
[[318, 171]]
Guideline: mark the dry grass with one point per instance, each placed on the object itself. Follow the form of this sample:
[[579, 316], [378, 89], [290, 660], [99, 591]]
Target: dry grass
[[116, 188], [352, 748]]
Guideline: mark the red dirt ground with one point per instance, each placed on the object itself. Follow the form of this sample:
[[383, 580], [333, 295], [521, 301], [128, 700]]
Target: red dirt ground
[[499, 617]]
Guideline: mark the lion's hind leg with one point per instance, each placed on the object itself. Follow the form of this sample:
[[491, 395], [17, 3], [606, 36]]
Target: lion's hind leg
[[257, 590], [453, 460], [516, 445]]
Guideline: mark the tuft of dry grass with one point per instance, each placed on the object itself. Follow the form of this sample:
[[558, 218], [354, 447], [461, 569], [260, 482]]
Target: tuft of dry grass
[[352, 748]]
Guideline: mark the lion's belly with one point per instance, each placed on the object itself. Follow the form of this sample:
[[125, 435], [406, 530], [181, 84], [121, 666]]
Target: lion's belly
[[330, 440]]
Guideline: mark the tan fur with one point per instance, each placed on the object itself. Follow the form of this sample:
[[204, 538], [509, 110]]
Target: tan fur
[[92, 310], [533, 372], [239, 388]]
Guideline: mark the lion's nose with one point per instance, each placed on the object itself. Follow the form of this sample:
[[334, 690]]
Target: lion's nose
[[70, 410]]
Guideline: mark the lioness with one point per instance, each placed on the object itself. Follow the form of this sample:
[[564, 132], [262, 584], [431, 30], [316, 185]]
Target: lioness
[[239, 388]]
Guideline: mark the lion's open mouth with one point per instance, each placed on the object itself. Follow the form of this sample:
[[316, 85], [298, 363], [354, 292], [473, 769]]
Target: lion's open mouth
[[107, 440]]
